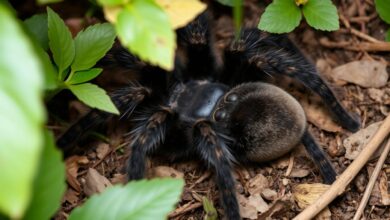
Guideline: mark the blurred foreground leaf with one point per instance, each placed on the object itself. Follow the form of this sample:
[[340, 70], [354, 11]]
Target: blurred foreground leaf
[[145, 199], [21, 116], [49, 185], [145, 29]]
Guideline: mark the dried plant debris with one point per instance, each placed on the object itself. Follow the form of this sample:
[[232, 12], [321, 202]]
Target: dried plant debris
[[164, 171], [95, 183], [365, 73], [306, 194], [355, 143]]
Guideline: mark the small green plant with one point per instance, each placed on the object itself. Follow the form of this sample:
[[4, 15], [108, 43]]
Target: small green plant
[[211, 212], [383, 9], [283, 16], [74, 58]]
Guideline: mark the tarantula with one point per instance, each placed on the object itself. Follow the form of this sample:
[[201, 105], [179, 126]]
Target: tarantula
[[221, 113]]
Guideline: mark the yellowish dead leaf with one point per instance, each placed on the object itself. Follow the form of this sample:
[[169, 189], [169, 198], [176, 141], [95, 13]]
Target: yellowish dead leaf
[[306, 194], [111, 13], [181, 12]]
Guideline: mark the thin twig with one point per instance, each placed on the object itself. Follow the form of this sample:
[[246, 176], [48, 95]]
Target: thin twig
[[372, 181], [363, 46], [338, 187], [364, 36], [184, 209]]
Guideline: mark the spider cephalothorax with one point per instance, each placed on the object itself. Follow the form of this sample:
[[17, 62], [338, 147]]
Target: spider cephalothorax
[[218, 113]]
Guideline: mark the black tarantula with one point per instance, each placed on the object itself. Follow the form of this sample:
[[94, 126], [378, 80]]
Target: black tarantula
[[221, 113]]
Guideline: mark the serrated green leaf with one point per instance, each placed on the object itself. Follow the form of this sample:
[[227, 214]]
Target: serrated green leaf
[[281, 16], [37, 26], [51, 79], [91, 45], [60, 42], [321, 14], [84, 76], [93, 96], [144, 28], [49, 185], [145, 199], [383, 9], [112, 2], [21, 113], [387, 37], [40, 41], [43, 2]]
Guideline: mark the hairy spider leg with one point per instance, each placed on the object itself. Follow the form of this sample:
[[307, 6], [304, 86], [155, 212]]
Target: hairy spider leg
[[196, 56], [212, 145], [148, 134], [126, 100], [319, 158], [274, 54]]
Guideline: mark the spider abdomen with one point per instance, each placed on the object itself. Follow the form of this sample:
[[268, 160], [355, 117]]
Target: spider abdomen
[[266, 121]]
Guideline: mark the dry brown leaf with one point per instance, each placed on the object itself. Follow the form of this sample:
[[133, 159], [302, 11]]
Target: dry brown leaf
[[281, 163], [305, 194], [118, 178], [246, 209], [355, 143], [95, 183], [366, 73], [383, 187], [275, 208], [71, 196], [102, 150], [164, 171], [299, 173], [317, 114], [269, 194], [258, 202], [257, 184], [72, 167]]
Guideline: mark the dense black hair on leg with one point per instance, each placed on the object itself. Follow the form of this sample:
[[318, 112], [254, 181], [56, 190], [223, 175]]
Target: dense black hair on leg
[[148, 134], [126, 100], [276, 54], [319, 158], [212, 147]]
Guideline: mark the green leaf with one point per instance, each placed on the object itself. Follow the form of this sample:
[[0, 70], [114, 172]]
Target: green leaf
[[321, 14], [211, 212], [84, 76], [37, 26], [145, 29], [112, 2], [387, 37], [383, 9], [43, 2], [93, 96], [49, 185], [91, 45], [21, 113], [40, 41], [51, 79], [145, 199], [60, 42], [281, 16]]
